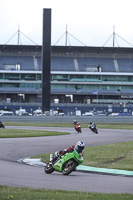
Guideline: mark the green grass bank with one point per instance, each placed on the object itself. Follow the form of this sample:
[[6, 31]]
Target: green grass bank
[[19, 193]]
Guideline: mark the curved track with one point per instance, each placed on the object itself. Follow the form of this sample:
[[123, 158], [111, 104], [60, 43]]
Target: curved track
[[13, 173]]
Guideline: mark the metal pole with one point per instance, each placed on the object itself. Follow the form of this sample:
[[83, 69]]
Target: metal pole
[[113, 36], [46, 60]]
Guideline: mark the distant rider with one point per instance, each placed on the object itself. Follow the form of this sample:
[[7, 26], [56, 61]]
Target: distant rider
[[1, 125], [75, 123], [91, 125], [77, 126]]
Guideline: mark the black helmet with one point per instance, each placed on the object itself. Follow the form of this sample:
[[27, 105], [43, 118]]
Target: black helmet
[[90, 122]]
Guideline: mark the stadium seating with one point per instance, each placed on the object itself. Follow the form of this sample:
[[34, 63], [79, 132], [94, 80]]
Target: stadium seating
[[106, 64], [62, 64], [125, 64], [68, 64], [25, 62]]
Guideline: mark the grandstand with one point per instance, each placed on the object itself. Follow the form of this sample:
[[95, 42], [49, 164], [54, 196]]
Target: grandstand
[[79, 75]]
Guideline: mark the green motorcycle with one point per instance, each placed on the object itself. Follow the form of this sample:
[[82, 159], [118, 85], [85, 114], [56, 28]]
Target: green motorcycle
[[66, 163]]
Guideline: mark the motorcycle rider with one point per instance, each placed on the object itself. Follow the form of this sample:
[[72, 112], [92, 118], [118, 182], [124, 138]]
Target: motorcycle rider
[[92, 126], [1, 125], [75, 123], [79, 148], [77, 126]]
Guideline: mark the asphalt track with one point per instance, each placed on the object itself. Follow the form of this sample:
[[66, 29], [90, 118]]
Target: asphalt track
[[13, 173]]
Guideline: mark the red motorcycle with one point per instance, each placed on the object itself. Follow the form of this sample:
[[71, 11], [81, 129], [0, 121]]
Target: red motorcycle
[[78, 128]]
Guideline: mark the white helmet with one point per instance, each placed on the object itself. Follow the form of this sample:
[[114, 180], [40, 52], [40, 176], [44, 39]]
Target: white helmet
[[79, 146]]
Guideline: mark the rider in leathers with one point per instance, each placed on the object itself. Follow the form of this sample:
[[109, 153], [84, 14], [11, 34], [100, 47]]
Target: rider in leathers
[[92, 126], [79, 147]]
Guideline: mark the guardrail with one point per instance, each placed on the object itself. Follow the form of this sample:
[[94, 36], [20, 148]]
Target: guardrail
[[67, 119]]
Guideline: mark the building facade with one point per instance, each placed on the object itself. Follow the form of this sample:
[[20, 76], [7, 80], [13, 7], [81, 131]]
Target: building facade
[[79, 75]]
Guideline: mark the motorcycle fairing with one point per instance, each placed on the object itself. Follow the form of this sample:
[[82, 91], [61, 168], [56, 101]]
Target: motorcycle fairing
[[74, 155]]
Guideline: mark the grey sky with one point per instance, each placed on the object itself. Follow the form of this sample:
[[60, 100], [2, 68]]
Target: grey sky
[[90, 21]]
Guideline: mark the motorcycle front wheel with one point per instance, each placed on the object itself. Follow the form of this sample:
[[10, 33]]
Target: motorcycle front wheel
[[80, 130], [2, 126], [49, 168], [69, 166], [95, 131]]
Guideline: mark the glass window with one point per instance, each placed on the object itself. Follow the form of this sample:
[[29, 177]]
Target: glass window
[[76, 76], [60, 77], [1, 76], [11, 85], [38, 77], [28, 77], [115, 78], [30, 85], [12, 76], [59, 86], [93, 77]]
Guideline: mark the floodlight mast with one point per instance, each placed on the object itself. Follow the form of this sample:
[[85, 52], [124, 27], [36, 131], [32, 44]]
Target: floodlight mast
[[46, 60], [66, 34], [113, 36], [18, 34]]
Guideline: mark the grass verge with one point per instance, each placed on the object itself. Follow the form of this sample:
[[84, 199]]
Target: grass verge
[[114, 156], [17, 133], [13, 193], [83, 125]]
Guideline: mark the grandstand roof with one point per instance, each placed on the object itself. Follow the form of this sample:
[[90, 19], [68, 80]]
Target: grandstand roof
[[65, 49]]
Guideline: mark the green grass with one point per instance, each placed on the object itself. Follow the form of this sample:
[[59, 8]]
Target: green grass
[[114, 156], [83, 125], [42, 194], [115, 126], [44, 124], [16, 133]]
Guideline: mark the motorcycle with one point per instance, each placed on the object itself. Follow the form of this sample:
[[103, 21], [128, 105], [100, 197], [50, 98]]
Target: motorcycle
[[94, 129], [1, 125], [65, 164], [78, 128]]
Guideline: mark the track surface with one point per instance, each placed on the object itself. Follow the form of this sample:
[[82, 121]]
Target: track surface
[[13, 173]]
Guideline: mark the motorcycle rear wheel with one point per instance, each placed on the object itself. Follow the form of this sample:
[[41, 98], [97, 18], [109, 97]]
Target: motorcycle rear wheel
[[69, 166], [49, 168]]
